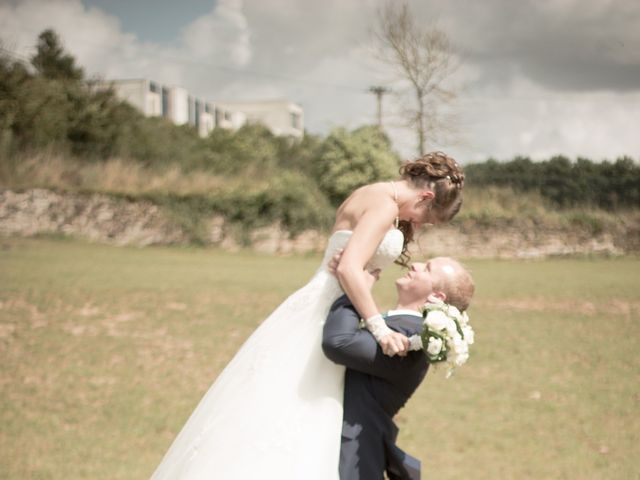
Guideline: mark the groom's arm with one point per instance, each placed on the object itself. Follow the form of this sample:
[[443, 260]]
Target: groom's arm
[[345, 343]]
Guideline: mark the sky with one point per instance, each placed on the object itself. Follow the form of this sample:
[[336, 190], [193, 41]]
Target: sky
[[535, 78]]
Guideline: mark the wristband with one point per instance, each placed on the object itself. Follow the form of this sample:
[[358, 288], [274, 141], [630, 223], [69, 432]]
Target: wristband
[[415, 342], [377, 326]]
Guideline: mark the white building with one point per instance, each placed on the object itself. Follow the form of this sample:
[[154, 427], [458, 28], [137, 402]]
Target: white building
[[206, 120], [145, 95], [228, 119], [175, 105], [282, 117]]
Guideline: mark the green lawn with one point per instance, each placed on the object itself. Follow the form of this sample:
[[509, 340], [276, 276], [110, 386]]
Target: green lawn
[[105, 351]]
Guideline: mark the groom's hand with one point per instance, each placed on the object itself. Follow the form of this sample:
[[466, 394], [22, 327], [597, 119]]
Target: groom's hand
[[334, 262], [395, 343]]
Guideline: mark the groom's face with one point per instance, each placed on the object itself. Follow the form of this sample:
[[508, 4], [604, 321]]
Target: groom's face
[[423, 279]]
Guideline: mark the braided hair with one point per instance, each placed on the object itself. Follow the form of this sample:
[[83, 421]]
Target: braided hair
[[441, 174]]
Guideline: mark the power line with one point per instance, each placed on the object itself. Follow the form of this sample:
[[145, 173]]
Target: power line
[[244, 71], [16, 55], [350, 88]]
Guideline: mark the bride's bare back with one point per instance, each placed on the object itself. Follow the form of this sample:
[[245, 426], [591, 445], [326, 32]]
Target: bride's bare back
[[369, 212], [377, 197]]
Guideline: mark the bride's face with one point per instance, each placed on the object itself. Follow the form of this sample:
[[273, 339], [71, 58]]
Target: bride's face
[[419, 210]]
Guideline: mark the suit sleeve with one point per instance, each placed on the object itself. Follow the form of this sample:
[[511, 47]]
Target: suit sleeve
[[345, 343]]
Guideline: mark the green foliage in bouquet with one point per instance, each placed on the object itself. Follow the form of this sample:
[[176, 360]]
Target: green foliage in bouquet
[[426, 336], [446, 335]]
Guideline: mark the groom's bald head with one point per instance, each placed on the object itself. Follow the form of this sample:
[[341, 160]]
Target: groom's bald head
[[455, 282], [441, 278]]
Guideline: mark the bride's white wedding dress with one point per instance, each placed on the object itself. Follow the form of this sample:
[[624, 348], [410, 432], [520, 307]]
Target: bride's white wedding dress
[[275, 411]]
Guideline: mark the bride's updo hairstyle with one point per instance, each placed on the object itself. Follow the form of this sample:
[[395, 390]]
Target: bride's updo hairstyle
[[442, 175]]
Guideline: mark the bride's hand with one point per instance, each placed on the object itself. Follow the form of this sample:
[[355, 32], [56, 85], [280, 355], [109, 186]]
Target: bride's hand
[[391, 342]]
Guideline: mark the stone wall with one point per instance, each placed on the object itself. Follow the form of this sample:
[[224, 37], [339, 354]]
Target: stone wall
[[95, 217], [104, 218], [515, 242]]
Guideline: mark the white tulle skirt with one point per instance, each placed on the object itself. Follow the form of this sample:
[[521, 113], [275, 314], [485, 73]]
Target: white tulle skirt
[[275, 412]]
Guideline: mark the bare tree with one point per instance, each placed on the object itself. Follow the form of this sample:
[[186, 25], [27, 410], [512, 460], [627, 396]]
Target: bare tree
[[424, 59]]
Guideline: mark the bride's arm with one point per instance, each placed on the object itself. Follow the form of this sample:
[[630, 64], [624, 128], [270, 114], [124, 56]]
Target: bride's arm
[[362, 245], [345, 343]]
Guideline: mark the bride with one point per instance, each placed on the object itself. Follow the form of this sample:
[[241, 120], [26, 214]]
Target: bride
[[275, 411]]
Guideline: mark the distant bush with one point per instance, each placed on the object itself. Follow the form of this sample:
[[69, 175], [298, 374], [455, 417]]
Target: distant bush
[[565, 183], [289, 199], [348, 160]]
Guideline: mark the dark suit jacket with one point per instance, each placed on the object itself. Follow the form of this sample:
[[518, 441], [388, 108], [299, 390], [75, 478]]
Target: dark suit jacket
[[376, 387]]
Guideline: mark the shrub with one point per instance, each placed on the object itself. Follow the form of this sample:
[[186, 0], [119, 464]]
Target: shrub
[[348, 160]]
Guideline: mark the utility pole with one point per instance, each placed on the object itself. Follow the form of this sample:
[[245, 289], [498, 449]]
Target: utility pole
[[379, 92]]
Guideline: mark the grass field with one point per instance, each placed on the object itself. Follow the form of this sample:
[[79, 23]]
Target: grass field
[[105, 351]]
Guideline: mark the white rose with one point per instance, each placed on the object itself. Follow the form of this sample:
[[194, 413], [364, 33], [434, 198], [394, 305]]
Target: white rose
[[461, 358], [452, 328], [465, 318], [454, 312], [469, 334], [458, 345], [437, 320], [435, 346]]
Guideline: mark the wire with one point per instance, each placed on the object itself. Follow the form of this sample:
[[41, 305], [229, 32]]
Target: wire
[[16, 55], [350, 88], [255, 73]]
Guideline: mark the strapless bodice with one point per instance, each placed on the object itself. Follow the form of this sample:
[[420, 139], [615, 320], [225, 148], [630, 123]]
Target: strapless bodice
[[387, 252]]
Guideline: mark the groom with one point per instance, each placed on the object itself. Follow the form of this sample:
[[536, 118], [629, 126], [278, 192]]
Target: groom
[[377, 386]]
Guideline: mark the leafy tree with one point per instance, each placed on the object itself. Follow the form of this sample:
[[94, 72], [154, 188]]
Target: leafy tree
[[52, 62], [588, 181], [348, 160], [100, 125], [558, 181], [300, 156], [13, 76], [34, 111], [252, 149], [565, 183], [624, 184]]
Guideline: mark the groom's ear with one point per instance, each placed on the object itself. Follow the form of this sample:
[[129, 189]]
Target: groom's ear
[[437, 297]]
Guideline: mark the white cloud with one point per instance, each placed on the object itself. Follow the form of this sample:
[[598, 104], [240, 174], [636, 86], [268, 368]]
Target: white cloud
[[100, 45], [222, 31], [532, 120], [542, 77], [92, 36]]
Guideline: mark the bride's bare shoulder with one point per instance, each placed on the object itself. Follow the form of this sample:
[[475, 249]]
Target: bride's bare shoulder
[[374, 196], [372, 191]]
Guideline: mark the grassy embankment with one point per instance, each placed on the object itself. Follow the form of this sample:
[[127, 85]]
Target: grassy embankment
[[104, 352], [192, 195]]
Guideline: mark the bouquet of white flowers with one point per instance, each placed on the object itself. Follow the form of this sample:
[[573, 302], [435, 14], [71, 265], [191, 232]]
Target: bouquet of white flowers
[[446, 335]]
